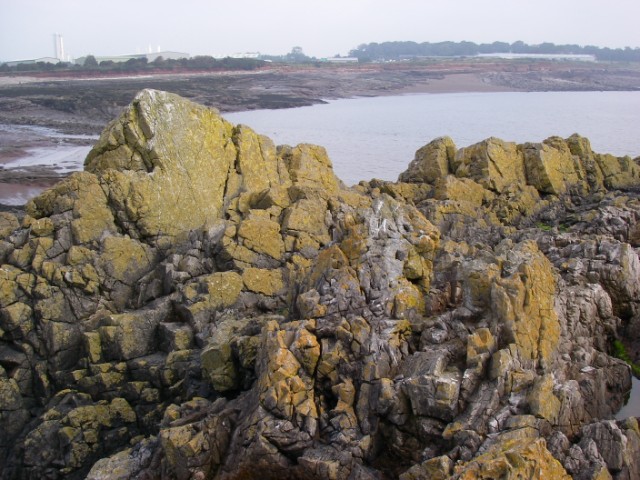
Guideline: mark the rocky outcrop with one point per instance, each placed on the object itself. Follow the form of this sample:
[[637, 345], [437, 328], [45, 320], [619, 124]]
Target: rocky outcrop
[[199, 303]]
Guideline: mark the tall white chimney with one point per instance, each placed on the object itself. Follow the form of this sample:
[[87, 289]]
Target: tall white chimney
[[58, 46]]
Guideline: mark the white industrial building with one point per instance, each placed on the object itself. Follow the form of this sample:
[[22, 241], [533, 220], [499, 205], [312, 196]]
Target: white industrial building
[[341, 60], [124, 58], [15, 63]]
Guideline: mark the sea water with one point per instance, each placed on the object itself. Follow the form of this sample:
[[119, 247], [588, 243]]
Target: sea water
[[631, 407], [377, 137], [58, 153]]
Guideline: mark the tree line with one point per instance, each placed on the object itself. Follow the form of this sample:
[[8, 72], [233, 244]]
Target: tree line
[[140, 64], [402, 50], [370, 52]]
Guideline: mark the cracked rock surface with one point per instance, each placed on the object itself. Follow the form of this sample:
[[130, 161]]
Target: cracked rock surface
[[199, 303]]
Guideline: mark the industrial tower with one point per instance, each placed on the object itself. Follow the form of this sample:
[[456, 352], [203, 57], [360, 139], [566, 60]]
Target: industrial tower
[[58, 46]]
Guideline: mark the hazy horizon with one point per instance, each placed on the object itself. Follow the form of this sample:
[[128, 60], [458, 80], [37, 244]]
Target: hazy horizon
[[323, 28]]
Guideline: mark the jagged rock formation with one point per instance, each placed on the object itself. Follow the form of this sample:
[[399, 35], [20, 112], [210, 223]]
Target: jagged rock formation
[[201, 304]]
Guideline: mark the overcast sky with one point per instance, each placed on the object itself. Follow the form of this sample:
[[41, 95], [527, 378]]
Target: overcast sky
[[321, 27]]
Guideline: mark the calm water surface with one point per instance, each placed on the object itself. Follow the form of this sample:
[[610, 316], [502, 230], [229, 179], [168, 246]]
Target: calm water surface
[[377, 137], [58, 154], [632, 407]]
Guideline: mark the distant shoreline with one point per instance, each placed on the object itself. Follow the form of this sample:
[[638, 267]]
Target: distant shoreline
[[85, 105], [456, 83], [81, 104], [449, 83]]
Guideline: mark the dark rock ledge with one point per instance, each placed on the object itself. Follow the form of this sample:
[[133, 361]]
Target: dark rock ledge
[[199, 303]]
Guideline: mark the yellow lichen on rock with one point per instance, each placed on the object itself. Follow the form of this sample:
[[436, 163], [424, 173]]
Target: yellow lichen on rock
[[524, 304], [8, 223], [310, 167], [542, 402], [550, 166], [284, 386], [431, 162], [258, 163], [82, 193], [618, 172], [408, 300], [493, 163], [479, 342], [259, 280], [223, 288], [262, 235], [180, 169], [460, 190], [307, 216], [124, 259], [515, 459], [306, 348]]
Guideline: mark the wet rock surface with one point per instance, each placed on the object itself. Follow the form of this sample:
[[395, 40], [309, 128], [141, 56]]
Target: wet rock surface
[[199, 303]]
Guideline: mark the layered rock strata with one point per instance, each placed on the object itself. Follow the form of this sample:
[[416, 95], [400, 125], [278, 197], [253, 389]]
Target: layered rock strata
[[199, 303]]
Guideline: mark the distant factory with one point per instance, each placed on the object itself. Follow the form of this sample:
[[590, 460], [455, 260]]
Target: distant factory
[[238, 55], [15, 63], [59, 55], [62, 56], [124, 58]]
